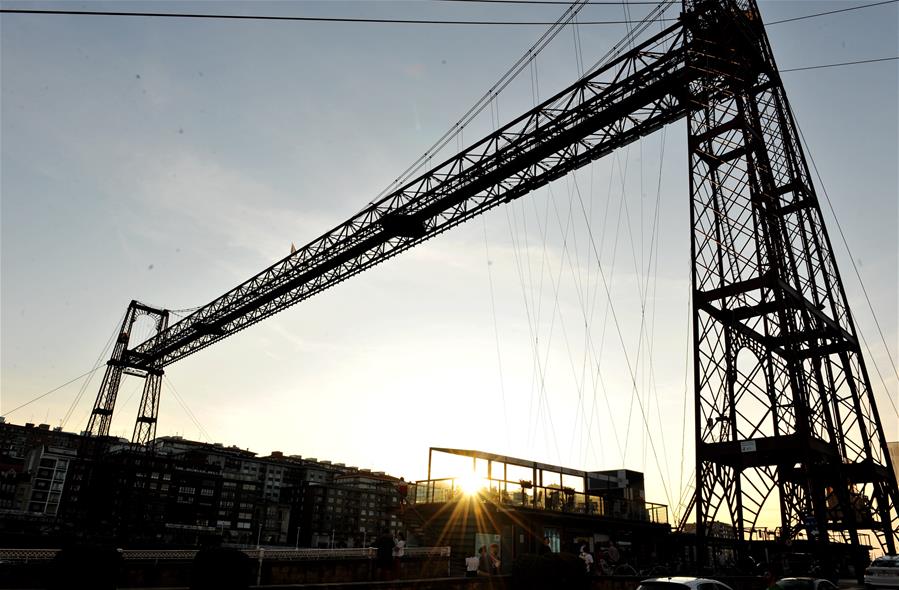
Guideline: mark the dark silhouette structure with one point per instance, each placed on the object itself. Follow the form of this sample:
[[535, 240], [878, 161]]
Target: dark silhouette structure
[[784, 407]]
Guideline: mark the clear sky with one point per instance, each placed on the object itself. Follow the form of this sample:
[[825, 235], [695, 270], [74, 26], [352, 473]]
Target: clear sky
[[167, 161]]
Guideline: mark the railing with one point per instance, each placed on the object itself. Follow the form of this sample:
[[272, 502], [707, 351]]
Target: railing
[[26, 555], [512, 494]]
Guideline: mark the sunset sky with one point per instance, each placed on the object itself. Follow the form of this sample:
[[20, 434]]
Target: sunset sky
[[168, 160]]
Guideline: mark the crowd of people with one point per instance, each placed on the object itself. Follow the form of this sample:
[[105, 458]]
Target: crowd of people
[[485, 563]]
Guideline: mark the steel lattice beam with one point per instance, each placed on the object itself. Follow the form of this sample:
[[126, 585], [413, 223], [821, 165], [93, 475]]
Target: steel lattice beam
[[631, 97]]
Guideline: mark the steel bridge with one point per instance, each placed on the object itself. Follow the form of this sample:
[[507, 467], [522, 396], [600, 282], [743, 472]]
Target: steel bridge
[[783, 401]]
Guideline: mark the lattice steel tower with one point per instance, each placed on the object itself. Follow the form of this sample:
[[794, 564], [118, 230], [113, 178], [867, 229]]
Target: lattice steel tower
[[783, 399], [125, 361], [784, 406]]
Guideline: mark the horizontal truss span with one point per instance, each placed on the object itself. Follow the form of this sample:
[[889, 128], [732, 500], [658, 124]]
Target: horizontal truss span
[[630, 97]]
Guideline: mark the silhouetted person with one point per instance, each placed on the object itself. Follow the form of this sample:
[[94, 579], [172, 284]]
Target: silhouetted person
[[483, 561], [384, 554], [493, 559], [545, 549]]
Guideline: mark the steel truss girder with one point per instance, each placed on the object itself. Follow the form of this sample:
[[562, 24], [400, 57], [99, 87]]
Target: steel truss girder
[[632, 96], [783, 401]]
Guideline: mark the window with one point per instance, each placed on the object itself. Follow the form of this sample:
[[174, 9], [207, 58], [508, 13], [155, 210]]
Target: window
[[554, 539], [206, 492], [187, 490]]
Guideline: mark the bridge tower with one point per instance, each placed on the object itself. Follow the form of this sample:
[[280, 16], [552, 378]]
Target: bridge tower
[[783, 403], [127, 362]]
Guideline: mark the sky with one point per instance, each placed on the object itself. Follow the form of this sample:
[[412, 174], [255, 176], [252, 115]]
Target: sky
[[168, 160]]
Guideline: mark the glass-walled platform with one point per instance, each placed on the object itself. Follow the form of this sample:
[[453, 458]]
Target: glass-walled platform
[[518, 483]]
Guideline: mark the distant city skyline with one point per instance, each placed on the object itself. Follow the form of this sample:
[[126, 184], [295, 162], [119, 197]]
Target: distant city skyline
[[167, 161]]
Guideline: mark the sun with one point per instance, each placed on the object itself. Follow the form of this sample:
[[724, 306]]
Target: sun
[[470, 484]]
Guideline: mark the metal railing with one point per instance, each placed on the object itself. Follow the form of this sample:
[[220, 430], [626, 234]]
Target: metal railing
[[26, 555], [512, 494]]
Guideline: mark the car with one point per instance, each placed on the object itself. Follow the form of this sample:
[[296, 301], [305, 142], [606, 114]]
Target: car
[[883, 573], [805, 584], [682, 583]]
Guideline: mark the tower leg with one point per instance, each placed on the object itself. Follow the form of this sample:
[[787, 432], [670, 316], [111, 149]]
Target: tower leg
[[101, 416]]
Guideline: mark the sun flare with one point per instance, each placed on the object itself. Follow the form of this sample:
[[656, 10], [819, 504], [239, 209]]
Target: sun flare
[[470, 484]]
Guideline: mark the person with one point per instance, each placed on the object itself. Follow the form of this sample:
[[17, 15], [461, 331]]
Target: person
[[493, 559], [771, 581], [399, 551], [402, 489], [471, 566], [483, 561], [545, 549], [384, 554], [587, 558]]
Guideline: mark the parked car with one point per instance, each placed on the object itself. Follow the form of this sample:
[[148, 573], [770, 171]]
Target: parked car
[[805, 584], [682, 583], [883, 573]]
